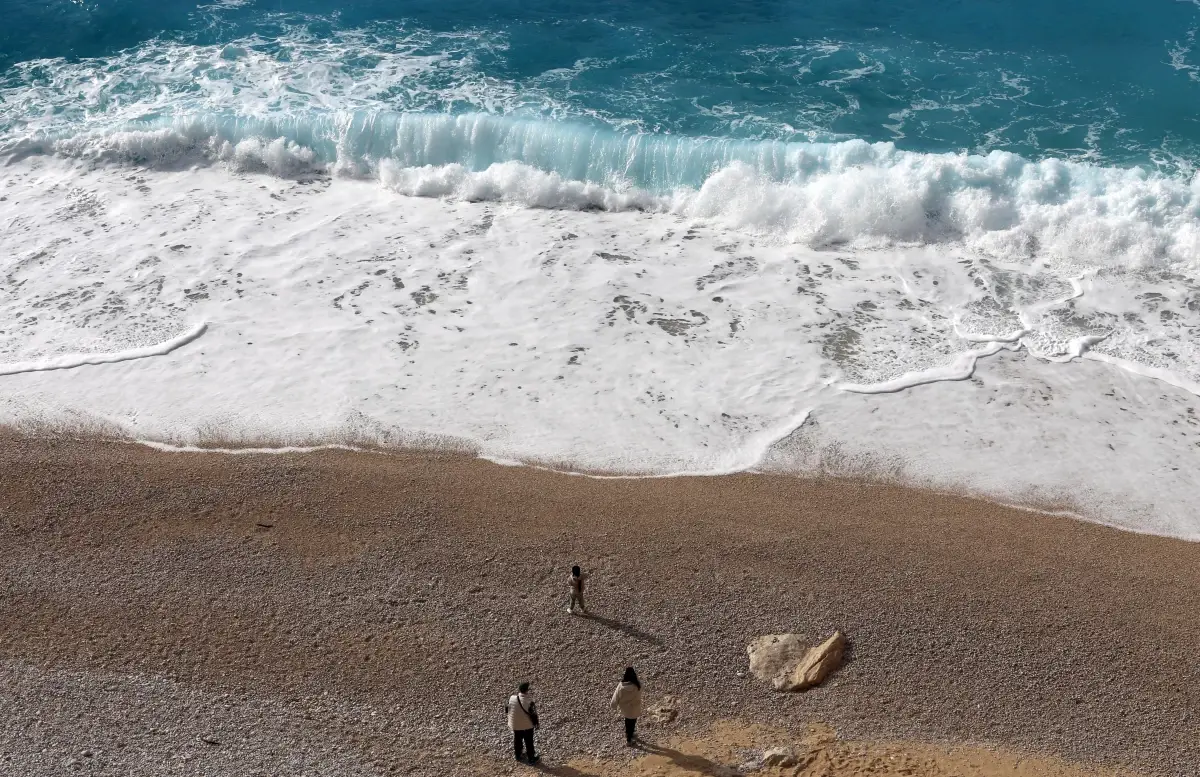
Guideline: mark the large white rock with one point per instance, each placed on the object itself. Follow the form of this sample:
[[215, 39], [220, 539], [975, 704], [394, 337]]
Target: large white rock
[[789, 664]]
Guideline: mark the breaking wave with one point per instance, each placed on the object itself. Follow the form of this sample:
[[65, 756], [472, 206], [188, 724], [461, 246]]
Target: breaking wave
[[854, 192]]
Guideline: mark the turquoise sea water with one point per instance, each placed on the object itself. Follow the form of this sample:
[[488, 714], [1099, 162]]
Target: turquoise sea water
[[1107, 82]]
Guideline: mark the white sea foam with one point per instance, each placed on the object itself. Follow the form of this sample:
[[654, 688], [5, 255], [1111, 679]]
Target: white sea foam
[[632, 341]]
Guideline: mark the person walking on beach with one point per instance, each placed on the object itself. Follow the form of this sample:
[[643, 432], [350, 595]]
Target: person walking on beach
[[522, 720], [576, 583], [628, 700]]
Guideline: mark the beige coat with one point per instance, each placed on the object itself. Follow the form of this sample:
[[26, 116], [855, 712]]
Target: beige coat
[[628, 699]]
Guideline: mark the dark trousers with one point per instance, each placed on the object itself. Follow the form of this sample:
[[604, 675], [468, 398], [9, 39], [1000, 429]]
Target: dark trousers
[[630, 725], [523, 740]]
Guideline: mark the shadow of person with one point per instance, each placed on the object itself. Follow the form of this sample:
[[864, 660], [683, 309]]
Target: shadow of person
[[692, 763], [626, 628], [695, 764], [561, 770]]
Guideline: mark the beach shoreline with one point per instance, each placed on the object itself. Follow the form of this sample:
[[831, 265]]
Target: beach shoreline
[[413, 327], [354, 614]]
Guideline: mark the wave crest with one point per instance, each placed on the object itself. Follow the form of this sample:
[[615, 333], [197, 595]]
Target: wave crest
[[868, 194]]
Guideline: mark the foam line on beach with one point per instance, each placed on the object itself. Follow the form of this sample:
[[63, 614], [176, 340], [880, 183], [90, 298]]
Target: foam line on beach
[[1166, 376], [780, 434], [285, 449], [79, 360], [745, 461], [961, 368], [1080, 346], [1012, 337]]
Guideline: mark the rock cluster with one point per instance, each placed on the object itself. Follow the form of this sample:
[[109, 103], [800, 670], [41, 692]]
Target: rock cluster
[[666, 710]]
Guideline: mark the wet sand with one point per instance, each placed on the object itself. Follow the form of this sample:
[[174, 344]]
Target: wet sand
[[347, 613]]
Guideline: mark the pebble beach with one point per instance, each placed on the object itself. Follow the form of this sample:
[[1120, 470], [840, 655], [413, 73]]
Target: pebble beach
[[340, 613]]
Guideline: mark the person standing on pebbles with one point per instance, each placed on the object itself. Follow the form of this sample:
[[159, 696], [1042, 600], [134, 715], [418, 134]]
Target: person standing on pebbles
[[628, 700], [575, 581], [522, 720]]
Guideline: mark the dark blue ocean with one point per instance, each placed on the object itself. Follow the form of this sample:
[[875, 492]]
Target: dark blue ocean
[[1108, 82]]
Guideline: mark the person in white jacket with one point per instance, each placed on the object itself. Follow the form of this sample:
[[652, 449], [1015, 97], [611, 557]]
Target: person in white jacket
[[628, 699], [522, 720]]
